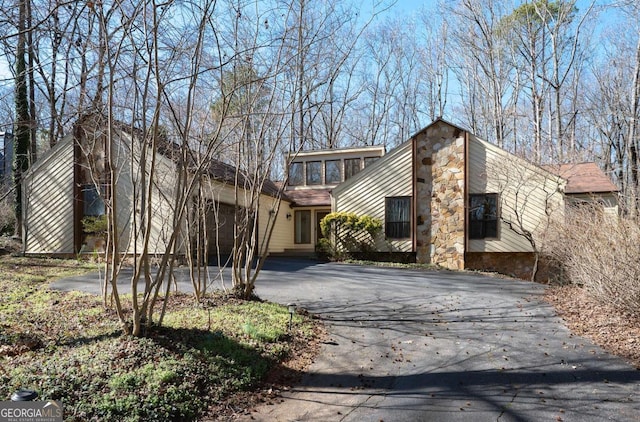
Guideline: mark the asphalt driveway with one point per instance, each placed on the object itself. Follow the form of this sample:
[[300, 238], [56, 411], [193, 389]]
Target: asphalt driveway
[[410, 345]]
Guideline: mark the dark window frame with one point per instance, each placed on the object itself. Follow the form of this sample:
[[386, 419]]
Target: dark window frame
[[397, 222], [370, 160], [484, 214], [93, 200]]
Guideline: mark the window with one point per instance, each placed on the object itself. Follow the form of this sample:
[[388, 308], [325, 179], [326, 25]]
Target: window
[[351, 167], [369, 160], [303, 226], [314, 172], [92, 200], [398, 217], [296, 175], [332, 172], [483, 216]]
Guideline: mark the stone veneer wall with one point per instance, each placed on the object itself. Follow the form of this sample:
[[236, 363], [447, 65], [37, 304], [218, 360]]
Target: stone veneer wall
[[439, 194], [514, 264]]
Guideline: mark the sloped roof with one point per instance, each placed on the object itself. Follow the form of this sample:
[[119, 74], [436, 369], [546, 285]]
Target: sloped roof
[[309, 197], [583, 178], [226, 173], [216, 169]]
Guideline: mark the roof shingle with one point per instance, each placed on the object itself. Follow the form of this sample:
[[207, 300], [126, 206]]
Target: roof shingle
[[583, 178], [309, 197]]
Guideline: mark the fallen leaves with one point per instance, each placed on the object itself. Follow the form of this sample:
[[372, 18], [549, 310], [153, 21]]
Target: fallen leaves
[[612, 330]]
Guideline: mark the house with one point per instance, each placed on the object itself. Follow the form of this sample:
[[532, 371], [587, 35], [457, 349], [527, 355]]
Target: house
[[586, 183], [446, 197], [71, 182], [312, 176], [457, 201]]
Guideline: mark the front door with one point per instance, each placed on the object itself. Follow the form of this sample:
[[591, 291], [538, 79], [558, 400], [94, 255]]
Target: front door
[[319, 216]]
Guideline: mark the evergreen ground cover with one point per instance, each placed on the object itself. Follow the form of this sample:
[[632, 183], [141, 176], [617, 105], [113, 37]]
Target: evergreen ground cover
[[68, 347]]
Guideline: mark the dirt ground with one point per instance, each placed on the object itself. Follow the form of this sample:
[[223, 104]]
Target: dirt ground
[[615, 332]]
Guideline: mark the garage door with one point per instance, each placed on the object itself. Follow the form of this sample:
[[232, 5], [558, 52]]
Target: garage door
[[220, 224]]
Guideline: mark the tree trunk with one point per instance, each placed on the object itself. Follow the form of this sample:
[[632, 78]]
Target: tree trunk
[[23, 117]]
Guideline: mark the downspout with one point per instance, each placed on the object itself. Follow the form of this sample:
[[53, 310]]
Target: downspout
[[414, 199], [466, 196]]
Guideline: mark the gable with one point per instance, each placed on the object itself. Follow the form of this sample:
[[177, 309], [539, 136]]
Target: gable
[[490, 166]]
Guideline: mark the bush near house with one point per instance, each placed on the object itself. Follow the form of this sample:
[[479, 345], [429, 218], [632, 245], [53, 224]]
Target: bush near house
[[96, 226], [346, 233], [599, 252]]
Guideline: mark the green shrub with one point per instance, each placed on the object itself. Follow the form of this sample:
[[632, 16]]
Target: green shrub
[[97, 225], [325, 249], [347, 232]]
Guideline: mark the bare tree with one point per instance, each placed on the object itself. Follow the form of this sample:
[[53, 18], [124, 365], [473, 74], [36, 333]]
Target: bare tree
[[481, 54], [404, 80], [531, 199], [545, 43], [612, 108]]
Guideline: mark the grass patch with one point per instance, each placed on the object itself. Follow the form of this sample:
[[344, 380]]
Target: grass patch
[[67, 347]]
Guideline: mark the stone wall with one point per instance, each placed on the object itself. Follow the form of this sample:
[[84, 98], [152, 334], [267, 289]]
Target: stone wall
[[514, 264], [440, 191]]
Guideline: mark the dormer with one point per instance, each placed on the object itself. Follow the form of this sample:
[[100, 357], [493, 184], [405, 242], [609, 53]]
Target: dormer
[[322, 169]]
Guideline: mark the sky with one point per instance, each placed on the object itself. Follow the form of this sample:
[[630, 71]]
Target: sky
[[398, 7]]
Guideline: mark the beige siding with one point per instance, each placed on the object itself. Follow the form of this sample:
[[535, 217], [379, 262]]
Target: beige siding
[[609, 201], [163, 200], [365, 193], [282, 234], [48, 203], [129, 228], [124, 197], [526, 194]]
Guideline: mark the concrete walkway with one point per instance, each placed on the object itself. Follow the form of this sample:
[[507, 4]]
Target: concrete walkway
[[409, 345]]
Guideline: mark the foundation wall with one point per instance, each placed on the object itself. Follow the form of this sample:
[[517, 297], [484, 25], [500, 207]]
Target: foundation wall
[[514, 264]]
